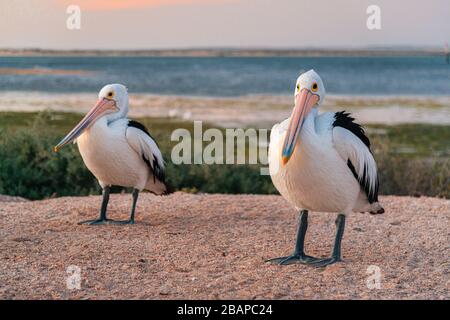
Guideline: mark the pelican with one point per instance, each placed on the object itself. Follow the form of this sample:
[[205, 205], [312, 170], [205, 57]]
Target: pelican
[[118, 151], [323, 163]]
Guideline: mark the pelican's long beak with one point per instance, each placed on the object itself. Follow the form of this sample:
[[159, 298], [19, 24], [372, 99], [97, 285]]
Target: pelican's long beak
[[101, 106], [304, 101]]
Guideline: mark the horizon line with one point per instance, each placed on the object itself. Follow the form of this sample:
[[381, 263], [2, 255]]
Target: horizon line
[[243, 48], [234, 51]]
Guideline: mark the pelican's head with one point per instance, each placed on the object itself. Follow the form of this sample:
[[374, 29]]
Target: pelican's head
[[118, 94], [309, 93], [112, 104]]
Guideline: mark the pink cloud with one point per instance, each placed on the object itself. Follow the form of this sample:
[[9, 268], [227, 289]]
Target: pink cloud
[[131, 4]]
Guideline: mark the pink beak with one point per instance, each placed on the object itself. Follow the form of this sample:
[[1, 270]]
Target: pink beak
[[100, 107], [304, 101]]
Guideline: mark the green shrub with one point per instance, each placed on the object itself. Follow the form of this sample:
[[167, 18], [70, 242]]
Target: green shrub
[[29, 168], [406, 175], [232, 179]]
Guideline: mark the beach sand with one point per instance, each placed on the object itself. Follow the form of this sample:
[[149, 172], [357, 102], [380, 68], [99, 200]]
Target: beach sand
[[250, 111], [203, 246]]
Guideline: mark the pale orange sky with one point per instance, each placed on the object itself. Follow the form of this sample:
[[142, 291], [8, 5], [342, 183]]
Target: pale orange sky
[[156, 24]]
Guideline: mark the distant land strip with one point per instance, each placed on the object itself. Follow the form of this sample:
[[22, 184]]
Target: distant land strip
[[42, 71], [228, 52]]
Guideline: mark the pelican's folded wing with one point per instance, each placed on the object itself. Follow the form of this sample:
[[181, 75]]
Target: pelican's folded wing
[[142, 142], [353, 146]]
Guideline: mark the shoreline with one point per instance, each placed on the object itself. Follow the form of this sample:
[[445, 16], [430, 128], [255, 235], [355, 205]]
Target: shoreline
[[260, 111]]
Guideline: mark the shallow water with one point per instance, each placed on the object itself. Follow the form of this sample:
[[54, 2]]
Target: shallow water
[[227, 77]]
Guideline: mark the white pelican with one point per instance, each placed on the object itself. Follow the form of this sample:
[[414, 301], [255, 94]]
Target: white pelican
[[118, 151], [321, 162]]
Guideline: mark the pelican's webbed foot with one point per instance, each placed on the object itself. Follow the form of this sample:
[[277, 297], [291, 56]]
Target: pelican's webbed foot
[[325, 262], [123, 222], [292, 259], [96, 222]]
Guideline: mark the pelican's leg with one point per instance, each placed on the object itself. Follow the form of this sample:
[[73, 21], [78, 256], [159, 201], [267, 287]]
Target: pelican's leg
[[299, 255], [336, 254], [102, 219], [133, 208]]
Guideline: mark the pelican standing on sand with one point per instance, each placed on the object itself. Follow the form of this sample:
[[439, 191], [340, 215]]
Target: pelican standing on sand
[[118, 151], [321, 162]]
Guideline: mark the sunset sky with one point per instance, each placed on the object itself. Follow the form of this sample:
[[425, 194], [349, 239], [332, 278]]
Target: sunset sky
[[157, 24]]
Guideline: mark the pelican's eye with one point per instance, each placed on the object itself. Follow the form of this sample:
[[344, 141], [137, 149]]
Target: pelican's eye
[[314, 87], [298, 87], [110, 94]]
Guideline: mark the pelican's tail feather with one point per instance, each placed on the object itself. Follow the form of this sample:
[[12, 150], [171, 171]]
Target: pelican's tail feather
[[376, 208], [156, 187]]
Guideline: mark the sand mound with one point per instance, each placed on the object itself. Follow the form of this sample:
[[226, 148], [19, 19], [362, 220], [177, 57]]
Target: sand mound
[[214, 246], [4, 198]]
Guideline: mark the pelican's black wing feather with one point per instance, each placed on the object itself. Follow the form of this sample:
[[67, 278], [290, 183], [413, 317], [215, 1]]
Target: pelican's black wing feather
[[344, 120], [157, 170]]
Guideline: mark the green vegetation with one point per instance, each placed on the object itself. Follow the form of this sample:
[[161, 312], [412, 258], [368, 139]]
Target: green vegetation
[[412, 160]]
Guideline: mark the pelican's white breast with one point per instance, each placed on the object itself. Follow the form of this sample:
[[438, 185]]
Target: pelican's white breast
[[315, 178], [107, 154]]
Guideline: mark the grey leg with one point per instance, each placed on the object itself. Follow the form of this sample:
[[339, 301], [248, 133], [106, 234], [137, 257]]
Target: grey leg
[[133, 209], [299, 255], [336, 254], [102, 219]]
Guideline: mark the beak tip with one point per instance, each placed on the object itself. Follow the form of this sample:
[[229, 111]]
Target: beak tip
[[55, 149], [284, 160]]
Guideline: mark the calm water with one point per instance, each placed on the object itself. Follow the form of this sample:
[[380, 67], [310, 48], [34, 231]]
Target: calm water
[[233, 76]]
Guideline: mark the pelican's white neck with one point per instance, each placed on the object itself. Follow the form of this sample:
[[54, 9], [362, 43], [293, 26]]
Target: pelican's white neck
[[122, 113], [99, 125]]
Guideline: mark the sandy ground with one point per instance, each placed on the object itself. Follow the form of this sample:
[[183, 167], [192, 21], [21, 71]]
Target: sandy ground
[[214, 246], [251, 111]]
